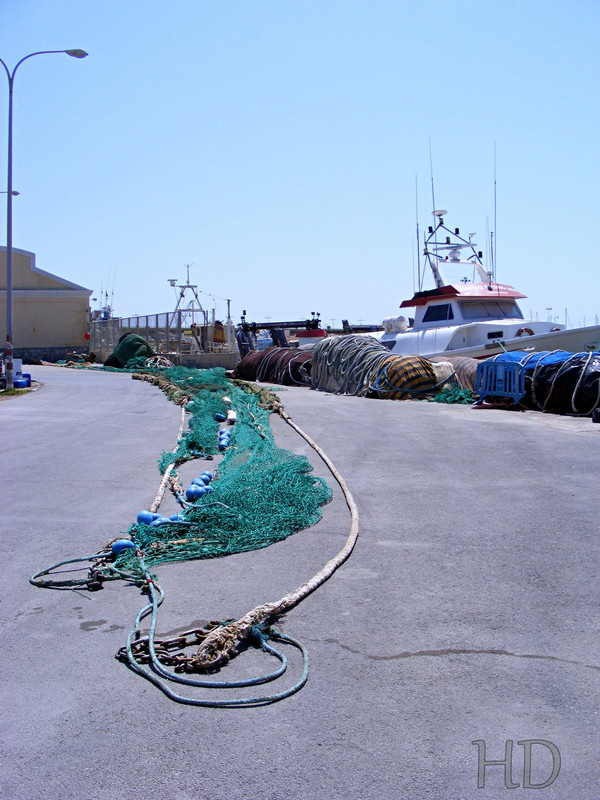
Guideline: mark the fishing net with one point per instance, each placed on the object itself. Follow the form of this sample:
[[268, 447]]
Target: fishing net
[[130, 346], [344, 364], [360, 365], [558, 381], [454, 395], [465, 369], [260, 494], [281, 365], [399, 377], [254, 495]]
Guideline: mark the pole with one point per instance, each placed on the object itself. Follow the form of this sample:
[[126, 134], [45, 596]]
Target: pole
[[8, 351], [8, 367]]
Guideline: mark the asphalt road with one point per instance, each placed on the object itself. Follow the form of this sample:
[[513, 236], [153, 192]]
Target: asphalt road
[[467, 612]]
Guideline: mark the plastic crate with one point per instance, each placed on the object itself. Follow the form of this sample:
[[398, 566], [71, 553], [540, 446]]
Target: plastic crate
[[500, 380]]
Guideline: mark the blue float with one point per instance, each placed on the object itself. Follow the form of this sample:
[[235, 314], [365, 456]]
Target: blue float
[[146, 517], [194, 492], [158, 521], [120, 545]]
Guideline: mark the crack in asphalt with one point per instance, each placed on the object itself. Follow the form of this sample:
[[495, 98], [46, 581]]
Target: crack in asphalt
[[451, 651]]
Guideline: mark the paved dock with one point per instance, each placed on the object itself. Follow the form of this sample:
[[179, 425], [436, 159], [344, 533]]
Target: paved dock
[[467, 612]]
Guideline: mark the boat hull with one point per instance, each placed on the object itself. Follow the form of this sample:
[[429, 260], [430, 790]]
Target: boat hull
[[441, 342]]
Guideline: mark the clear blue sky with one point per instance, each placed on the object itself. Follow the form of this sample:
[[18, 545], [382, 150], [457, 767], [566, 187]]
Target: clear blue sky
[[275, 146]]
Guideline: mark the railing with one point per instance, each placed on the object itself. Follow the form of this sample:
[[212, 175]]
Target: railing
[[166, 334]]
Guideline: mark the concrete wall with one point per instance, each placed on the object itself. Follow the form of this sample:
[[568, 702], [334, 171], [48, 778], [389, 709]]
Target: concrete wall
[[49, 313]]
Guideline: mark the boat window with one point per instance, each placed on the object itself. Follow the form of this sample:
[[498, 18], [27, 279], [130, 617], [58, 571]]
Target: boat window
[[491, 309], [438, 313]]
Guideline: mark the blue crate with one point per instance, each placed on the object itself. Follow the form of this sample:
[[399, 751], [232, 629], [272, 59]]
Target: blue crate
[[500, 379]]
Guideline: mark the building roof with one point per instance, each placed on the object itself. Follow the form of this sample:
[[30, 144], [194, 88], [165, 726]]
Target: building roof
[[29, 277]]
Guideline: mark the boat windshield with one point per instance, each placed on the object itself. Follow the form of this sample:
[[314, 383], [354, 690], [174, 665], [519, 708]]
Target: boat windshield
[[439, 312], [490, 309]]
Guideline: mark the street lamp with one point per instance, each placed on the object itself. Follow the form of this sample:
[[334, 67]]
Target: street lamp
[[8, 352]]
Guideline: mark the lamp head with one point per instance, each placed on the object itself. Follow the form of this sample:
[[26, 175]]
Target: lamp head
[[76, 53]]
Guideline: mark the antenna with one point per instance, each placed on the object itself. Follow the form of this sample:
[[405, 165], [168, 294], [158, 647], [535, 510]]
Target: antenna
[[418, 234], [431, 170], [495, 215], [489, 245], [112, 288]]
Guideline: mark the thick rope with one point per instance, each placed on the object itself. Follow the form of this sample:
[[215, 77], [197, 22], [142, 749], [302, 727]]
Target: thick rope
[[221, 644], [158, 671], [167, 473]]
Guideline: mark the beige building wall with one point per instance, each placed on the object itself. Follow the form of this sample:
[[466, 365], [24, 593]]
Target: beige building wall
[[48, 311]]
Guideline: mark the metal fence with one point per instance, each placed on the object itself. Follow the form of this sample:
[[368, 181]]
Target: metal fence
[[165, 333]]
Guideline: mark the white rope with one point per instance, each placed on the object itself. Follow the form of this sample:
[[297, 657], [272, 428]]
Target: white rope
[[167, 473], [221, 643]]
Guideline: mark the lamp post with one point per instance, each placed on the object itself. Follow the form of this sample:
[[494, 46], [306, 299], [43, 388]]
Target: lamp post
[[8, 352]]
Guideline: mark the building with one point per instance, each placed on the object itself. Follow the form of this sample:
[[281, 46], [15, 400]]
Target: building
[[50, 314]]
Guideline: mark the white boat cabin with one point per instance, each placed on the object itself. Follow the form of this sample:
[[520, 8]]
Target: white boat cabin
[[459, 305]]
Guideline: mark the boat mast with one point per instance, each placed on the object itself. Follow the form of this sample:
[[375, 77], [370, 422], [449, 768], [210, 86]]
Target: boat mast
[[439, 281], [192, 308], [434, 250], [434, 262]]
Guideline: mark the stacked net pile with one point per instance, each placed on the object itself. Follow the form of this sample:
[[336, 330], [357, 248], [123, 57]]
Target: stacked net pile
[[260, 493], [465, 369], [399, 377], [344, 364], [281, 365], [558, 381], [360, 365], [130, 350]]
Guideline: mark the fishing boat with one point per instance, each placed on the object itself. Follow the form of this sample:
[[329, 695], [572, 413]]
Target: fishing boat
[[476, 319]]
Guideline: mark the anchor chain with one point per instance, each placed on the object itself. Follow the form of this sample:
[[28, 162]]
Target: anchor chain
[[163, 648]]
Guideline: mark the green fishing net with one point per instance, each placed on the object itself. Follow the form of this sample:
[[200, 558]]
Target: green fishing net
[[261, 493], [454, 394]]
